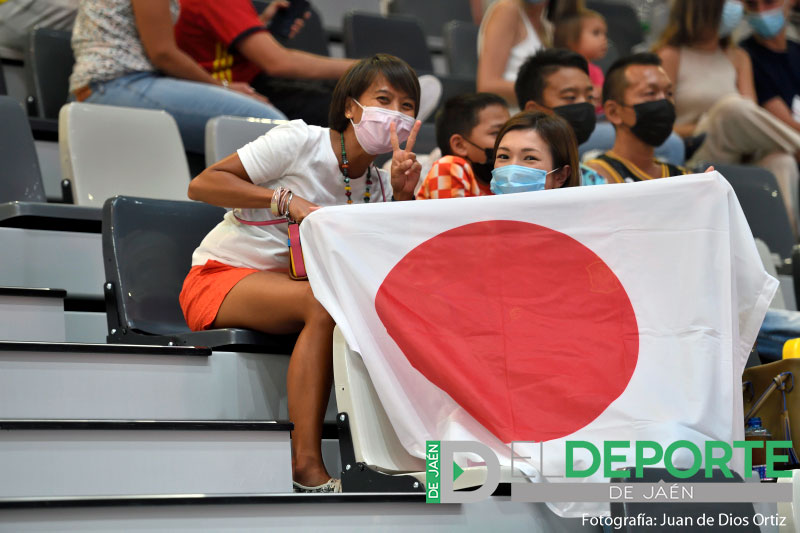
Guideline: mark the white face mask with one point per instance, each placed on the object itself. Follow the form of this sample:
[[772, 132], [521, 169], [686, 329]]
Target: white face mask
[[373, 132]]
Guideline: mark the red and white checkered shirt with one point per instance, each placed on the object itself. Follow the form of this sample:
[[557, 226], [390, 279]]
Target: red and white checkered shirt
[[451, 177]]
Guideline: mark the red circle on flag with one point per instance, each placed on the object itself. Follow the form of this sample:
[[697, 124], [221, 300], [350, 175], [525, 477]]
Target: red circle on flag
[[523, 326]]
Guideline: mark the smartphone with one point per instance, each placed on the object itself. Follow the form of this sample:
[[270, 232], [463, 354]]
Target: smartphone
[[281, 23]]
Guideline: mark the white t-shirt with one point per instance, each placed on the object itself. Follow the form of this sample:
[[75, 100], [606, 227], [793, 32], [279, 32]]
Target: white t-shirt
[[296, 156]]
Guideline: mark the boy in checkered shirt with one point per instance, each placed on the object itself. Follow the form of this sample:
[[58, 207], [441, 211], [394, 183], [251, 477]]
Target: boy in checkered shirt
[[466, 128]]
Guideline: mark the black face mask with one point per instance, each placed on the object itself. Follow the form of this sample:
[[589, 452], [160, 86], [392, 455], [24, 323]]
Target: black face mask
[[483, 171], [654, 121], [581, 117]]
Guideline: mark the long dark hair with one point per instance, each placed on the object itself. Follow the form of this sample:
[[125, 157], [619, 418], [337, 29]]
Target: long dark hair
[[689, 20]]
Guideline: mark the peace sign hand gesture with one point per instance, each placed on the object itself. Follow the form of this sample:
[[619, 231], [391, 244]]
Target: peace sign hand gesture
[[405, 167]]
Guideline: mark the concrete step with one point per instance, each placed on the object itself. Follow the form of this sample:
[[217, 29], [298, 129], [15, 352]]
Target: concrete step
[[32, 314], [298, 513], [58, 458], [45, 258]]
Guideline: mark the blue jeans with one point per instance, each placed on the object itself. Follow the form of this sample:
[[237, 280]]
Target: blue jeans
[[672, 151], [191, 104]]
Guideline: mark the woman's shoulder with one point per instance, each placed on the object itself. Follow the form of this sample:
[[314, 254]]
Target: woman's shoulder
[[738, 56], [503, 12]]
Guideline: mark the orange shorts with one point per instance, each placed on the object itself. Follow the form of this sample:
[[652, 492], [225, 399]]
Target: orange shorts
[[204, 289]]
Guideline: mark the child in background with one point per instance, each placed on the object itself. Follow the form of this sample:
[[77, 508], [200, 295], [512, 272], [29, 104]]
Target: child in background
[[586, 34], [466, 128]]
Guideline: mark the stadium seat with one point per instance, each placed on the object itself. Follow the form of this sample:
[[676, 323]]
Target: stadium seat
[[312, 38], [147, 251], [366, 34], [22, 196], [332, 11], [762, 203], [461, 48], [624, 28], [432, 15], [225, 135], [108, 150], [19, 175], [373, 458], [48, 64], [3, 89]]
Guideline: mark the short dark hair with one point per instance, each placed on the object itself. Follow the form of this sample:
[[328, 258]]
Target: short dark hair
[[460, 114], [358, 78], [616, 81], [558, 135], [533, 74]]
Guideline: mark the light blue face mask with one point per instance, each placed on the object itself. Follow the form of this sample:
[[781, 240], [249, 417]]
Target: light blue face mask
[[767, 24], [516, 178], [732, 13]]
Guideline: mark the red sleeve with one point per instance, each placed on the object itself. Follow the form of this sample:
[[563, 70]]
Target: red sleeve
[[228, 21]]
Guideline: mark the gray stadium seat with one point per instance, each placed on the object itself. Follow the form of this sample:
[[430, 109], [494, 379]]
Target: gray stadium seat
[[108, 150], [147, 251], [19, 174], [49, 63], [432, 15], [461, 48], [3, 89], [366, 34], [332, 11], [22, 196], [762, 203], [225, 135], [624, 26], [312, 38]]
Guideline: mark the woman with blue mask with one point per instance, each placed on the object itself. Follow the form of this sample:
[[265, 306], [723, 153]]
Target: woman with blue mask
[[535, 151], [776, 59], [715, 95]]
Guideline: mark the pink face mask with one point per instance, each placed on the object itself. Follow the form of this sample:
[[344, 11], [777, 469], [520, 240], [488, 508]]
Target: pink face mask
[[373, 132]]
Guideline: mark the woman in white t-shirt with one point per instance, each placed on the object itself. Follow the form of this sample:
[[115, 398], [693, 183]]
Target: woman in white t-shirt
[[239, 275]]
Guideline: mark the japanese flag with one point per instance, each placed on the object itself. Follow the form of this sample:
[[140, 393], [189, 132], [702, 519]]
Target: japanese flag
[[619, 312]]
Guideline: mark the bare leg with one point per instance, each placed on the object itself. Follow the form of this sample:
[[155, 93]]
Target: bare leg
[[273, 303]]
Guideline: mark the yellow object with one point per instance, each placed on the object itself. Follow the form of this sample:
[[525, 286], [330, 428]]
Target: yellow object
[[791, 349]]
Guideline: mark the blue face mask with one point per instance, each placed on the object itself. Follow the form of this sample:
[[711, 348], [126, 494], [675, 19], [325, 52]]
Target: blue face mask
[[767, 24], [516, 178], [731, 17]]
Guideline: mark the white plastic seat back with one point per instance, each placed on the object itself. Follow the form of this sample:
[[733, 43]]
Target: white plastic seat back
[[226, 134], [108, 151], [375, 442]]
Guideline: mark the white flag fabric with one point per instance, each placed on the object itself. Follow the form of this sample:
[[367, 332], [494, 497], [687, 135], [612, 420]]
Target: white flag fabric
[[619, 312]]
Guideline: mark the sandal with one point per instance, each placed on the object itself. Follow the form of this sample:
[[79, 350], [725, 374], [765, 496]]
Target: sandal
[[332, 485]]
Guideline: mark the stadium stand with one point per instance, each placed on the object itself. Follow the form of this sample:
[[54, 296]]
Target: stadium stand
[[48, 65], [762, 203], [432, 15], [461, 48]]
